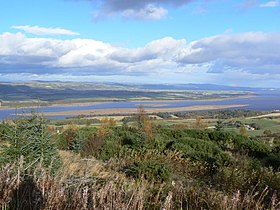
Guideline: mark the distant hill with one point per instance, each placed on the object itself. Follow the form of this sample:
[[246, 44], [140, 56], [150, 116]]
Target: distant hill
[[190, 86], [131, 86], [66, 92]]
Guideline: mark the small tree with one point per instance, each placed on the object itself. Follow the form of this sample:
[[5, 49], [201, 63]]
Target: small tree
[[199, 123], [219, 126], [141, 117], [29, 139], [148, 128], [243, 131], [106, 123], [143, 121]]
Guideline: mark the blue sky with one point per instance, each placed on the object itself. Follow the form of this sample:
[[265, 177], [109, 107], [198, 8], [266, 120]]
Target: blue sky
[[149, 41]]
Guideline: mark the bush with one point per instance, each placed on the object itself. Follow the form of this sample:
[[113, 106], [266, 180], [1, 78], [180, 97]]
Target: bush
[[73, 138], [254, 147], [134, 140], [151, 170], [201, 150], [222, 138], [92, 146]]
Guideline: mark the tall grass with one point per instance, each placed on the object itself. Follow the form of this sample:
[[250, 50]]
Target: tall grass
[[43, 191]]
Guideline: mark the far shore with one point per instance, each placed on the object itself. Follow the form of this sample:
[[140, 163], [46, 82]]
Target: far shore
[[66, 104], [122, 111], [181, 100]]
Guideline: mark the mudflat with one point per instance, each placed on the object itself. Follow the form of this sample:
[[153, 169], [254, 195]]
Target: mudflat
[[122, 111]]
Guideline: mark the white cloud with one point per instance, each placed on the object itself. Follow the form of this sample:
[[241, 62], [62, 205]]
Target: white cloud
[[257, 53], [37, 30], [212, 57], [164, 49], [270, 4]]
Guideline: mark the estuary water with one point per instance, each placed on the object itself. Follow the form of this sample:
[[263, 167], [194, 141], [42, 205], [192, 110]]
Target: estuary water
[[267, 100]]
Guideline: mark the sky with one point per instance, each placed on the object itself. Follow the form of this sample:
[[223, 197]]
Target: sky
[[225, 42]]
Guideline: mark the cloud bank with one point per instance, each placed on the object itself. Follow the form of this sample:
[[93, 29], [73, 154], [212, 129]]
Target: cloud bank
[[255, 54]]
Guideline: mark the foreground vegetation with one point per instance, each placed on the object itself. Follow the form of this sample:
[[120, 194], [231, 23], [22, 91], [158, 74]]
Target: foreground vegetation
[[141, 165]]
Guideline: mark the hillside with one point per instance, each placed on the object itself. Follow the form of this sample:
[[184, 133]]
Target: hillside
[[142, 164]]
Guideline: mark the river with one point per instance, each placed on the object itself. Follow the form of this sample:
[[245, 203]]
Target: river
[[264, 101]]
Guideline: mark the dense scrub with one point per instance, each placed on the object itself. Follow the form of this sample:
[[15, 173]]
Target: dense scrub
[[150, 167]]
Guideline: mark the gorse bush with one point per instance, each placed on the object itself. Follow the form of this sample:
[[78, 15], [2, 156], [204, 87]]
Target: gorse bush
[[254, 147], [201, 150], [151, 170]]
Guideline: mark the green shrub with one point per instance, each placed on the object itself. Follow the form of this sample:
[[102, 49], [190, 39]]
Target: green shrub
[[151, 170], [201, 150], [109, 150], [128, 137], [134, 140], [254, 147], [73, 138], [83, 135], [222, 138]]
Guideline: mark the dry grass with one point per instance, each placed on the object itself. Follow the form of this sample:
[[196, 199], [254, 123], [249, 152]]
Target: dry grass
[[74, 165], [89, 184]]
